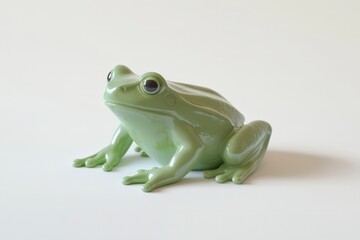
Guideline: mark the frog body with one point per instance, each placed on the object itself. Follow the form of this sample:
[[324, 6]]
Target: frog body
[[183, 127]]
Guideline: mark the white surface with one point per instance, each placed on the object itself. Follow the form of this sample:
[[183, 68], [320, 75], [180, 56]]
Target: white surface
[[292, 63]]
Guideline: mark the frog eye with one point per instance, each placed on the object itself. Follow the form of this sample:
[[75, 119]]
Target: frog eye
[[151, 86], [109, 76]]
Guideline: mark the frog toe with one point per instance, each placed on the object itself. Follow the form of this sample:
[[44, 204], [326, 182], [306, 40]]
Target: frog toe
[[237, 179], [241, 174], [79, 162], [157, 180], [211, 173], [227, 172], [215, 172], [227, 176], [107, 167], [151, 185], [140, 170], [148, 187], [141, 177], [95, 161]]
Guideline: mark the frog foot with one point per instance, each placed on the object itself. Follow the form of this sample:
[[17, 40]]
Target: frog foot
[[106, 157], [142, 152], [227, 172], [153, 178]]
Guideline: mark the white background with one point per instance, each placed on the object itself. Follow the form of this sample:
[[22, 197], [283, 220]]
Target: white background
[[294, 64]]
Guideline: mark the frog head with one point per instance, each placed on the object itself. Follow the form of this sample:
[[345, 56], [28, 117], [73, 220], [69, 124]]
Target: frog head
[[127, 89]]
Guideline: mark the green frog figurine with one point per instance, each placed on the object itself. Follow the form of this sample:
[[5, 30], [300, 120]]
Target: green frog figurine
[[183, 127]]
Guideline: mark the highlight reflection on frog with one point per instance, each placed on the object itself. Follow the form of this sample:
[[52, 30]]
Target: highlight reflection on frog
[[181, 126]]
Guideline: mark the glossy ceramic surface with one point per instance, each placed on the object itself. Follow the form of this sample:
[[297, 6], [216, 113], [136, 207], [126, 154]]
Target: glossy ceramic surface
[[183, 127]]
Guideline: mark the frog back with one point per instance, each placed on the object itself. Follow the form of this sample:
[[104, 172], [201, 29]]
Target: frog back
[[207, 100]]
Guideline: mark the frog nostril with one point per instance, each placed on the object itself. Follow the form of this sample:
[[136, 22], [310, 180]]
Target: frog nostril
[[123, 89]]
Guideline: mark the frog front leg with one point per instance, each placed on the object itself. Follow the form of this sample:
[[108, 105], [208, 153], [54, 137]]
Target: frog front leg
[[189, 148], [111, 155]]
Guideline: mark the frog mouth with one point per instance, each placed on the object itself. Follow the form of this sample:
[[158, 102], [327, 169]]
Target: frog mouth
[[111, 104], [114, 106]]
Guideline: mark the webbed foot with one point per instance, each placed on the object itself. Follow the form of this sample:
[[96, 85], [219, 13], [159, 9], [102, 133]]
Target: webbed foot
[[226, 172], [153, 178], [107, 156]]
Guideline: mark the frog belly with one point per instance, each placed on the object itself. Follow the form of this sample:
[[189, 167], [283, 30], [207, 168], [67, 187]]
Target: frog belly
[[150, 131]]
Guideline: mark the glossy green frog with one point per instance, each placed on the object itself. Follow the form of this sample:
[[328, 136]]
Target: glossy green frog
[[183, 127]]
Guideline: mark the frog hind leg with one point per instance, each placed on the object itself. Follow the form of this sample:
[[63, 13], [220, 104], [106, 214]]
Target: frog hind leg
[[243, 153]]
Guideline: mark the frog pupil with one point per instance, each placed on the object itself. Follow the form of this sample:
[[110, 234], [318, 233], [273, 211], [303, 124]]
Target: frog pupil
[[109, 76], [151, 86]]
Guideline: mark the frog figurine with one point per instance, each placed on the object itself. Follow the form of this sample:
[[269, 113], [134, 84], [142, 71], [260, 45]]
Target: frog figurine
[[181, 126]]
